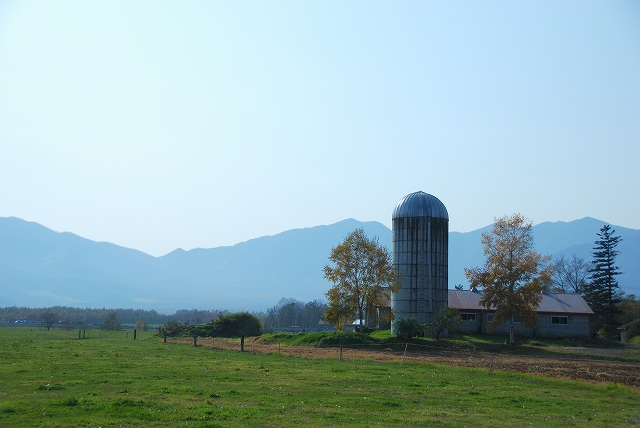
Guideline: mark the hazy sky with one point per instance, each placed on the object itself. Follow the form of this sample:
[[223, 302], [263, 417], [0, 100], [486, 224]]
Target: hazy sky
[[157, 125]]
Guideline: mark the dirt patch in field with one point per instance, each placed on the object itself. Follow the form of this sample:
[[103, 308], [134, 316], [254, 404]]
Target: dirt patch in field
[[594, 371]]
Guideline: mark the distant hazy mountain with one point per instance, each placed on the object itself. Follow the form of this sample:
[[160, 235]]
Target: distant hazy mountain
[[40, 267], [555, 238]]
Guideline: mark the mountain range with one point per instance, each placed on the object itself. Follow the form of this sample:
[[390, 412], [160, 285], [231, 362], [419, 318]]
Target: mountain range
[[40, 267]]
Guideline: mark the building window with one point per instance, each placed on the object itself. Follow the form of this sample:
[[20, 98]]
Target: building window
[[490, 317], [559, 320], [468, 316]]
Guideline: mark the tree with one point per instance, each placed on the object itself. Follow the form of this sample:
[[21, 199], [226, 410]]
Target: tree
[[313, 312], [514, 274], [340, 311], [603, 294], [291, 312], [48, 318], [446, 318], [363, 275], [111, 322], [286, 313], [570, 275], [140, 325]]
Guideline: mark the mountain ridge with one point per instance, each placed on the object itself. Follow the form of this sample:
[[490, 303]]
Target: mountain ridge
[[40, 267]]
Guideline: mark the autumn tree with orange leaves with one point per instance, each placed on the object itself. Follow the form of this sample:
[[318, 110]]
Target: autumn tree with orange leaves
[[514, 274], [363, 275]]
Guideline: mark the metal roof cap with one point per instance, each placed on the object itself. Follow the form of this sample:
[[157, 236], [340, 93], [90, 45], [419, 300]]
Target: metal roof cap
[[420, 204]]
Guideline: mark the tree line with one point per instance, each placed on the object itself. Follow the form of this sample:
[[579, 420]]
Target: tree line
[[91, 316], [290, 312]]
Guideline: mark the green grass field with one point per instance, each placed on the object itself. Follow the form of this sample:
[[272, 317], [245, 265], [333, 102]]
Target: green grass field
[[53, 379]]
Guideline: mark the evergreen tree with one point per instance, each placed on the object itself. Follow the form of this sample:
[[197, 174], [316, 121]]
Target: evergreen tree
[[603, 293]]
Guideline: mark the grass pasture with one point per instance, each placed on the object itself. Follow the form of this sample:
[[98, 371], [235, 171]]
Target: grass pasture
[[54, 379]]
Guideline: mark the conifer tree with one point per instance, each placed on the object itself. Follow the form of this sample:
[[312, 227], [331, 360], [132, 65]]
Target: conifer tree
[[603, 293]]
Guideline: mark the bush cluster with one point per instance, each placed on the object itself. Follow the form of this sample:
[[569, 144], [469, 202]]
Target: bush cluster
[[632, 331], [408, 328]]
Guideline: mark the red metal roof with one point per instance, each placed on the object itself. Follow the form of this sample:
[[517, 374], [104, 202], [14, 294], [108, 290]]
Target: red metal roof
[[551, 302]]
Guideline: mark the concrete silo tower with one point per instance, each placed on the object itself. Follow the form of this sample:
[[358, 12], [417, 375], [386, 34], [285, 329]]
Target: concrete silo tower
[[420, 236]]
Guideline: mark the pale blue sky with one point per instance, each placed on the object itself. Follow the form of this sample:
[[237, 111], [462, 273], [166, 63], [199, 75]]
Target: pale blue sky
[[157, 125]]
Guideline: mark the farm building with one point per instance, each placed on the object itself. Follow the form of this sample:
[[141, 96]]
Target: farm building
[[559, 315]]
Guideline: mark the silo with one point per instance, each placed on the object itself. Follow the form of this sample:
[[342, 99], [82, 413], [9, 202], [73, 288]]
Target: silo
[[420, 247]]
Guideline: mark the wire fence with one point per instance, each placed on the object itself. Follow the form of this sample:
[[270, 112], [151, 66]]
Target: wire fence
[[551, 365], [558, 366], [90, 331]]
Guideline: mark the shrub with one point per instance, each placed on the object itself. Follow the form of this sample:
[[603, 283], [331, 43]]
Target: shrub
[[71, 401], [238, 324], [7, 410], [346, 338], [408, 328], [632, 331], [171, 328]]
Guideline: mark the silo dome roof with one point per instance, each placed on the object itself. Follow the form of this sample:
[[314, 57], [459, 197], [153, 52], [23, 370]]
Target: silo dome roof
[[420, 204]]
